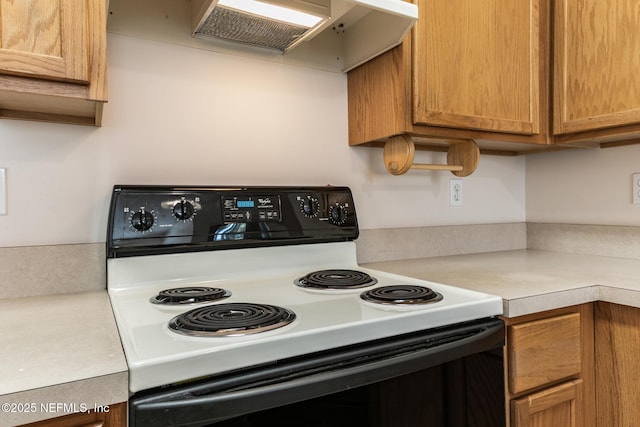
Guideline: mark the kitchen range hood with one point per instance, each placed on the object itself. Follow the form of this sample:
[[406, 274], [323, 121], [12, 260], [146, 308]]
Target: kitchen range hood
[[364, 28]]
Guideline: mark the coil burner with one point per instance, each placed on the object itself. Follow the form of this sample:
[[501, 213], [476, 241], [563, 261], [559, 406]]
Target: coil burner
[[231, 319], [401, 295], [189, 295], [336, 279]]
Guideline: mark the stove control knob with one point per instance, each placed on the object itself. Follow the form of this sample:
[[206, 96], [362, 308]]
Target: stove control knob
[[183, 210], [309, 206], [338, 214], [142, 220]]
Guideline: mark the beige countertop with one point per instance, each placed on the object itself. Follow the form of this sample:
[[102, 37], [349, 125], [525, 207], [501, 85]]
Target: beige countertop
[[65, 350], [60, 354], [530, 281]]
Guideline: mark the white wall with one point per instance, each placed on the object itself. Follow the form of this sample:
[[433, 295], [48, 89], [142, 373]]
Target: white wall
[[583, 186], [178, 115]]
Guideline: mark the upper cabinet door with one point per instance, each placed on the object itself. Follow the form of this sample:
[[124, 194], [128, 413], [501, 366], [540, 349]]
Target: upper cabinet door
[[479, 64], [44, 39], [597, 63]]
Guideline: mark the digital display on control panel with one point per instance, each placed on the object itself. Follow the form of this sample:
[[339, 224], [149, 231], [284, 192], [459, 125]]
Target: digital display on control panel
[[245, 204]]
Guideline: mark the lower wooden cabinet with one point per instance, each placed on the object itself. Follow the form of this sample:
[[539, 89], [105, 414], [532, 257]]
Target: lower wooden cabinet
[[617, 331], [558, 406], [115, 417], [549, 362]]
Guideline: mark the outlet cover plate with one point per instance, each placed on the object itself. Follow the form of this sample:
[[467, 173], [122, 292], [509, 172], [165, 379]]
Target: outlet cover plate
[[455, 192]]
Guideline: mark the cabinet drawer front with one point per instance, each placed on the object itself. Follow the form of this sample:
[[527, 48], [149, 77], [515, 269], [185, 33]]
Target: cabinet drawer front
[[543, 351], [559, 406]]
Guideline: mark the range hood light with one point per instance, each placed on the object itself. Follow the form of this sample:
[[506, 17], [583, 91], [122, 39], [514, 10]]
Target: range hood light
[[273, 12]]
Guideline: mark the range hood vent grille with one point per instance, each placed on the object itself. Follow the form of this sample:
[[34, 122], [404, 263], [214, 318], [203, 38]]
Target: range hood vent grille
[[240, 27], [349, 32]]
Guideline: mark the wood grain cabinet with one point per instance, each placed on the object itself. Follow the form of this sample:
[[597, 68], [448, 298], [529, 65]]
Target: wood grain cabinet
[[561, 405], [617, 331], [53, 60], [482, 70], [469, 70], [476, 65], [596, 62], [116, 416], [549, 359]]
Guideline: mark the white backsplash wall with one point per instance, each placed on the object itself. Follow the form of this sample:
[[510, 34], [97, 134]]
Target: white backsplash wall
[[178, 115], [583, 186]]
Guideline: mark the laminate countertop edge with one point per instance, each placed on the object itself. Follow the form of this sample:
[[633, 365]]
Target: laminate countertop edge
[[61, 354], [530, 281]]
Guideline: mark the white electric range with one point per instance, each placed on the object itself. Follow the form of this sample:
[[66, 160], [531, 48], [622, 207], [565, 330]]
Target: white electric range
[[212, 284]]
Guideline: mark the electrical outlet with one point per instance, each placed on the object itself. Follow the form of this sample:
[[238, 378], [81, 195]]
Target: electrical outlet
[[635, 188], [3, 191], [455, 192]]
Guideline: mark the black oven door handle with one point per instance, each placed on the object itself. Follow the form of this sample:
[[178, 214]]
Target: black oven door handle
[[284, 383]]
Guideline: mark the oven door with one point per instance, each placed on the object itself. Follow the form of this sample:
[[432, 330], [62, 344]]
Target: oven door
[[304, 378]]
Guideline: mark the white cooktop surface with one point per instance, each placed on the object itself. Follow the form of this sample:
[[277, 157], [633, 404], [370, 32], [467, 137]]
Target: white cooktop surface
[[158, 356]]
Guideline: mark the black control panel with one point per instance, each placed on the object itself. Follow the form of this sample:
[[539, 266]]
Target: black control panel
[[146, 220]]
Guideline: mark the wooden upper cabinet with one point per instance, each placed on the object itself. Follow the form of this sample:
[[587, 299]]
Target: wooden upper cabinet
[[476, 65], [44, 39], [597, 58], [482, 70], [53, 60], [470, 70]]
